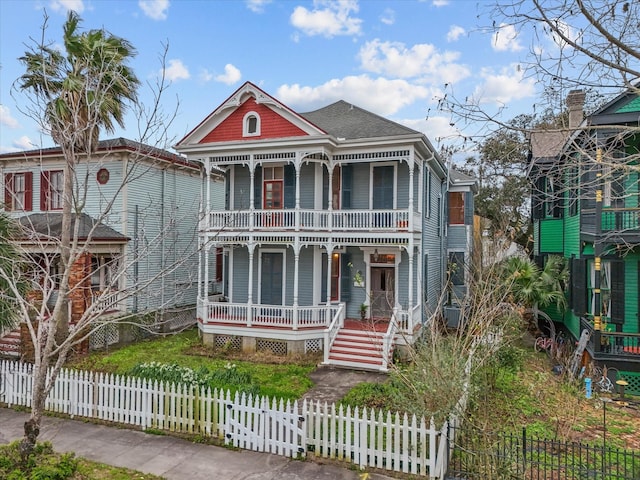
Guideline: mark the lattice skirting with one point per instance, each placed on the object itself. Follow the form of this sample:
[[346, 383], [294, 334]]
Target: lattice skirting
[[313, 345], [231, 343], [104, 336], [275, 347], [634, 382]]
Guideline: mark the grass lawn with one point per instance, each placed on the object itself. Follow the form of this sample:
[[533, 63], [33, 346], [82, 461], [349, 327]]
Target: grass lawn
[[274, 376]]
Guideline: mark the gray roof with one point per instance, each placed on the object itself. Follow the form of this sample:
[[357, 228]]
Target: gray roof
[[458, 176], [49, 225], [344, 120]]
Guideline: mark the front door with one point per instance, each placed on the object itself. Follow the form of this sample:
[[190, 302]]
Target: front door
[[271, 279], [382, 291]]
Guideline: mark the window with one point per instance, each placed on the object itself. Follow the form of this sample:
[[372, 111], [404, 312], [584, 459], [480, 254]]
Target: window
[[335, 277], [456, 208], [51, 186], [251, 125], [18, 191], [456, 268]]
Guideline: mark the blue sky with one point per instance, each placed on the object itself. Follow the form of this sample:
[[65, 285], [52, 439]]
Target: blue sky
[[390, 57]]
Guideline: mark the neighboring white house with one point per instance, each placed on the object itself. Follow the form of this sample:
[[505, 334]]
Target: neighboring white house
[[141, 255]]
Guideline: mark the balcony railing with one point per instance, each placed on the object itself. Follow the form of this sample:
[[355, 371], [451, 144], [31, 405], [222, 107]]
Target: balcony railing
[[626, 346], [618, 220], [105, 301], [294, 220]]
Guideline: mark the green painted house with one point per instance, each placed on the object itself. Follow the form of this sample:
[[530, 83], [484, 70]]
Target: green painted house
[[586, 207]]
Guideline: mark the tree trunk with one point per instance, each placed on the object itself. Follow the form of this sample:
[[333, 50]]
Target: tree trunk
[[32, 426]]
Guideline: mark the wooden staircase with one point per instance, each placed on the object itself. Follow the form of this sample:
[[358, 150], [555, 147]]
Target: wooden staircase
[[10, 344], [359, 346]]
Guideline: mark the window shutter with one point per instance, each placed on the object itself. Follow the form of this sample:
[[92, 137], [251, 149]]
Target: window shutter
[[227, 190], [347, 186], [289, 186], [468, 208], [579, 286], [345, 277], [28, 191], [325, 189], [617, 292], [8, 189], [323, 284], [45, 188], [257, 188]]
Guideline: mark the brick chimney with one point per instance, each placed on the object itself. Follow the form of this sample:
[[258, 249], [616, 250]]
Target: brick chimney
[[575, 105]]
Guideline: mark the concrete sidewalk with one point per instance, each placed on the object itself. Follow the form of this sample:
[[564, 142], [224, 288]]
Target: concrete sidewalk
[[172, 458]]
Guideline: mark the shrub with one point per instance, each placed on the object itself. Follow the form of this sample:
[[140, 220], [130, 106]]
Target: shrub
[[42, 464], [228, 377]]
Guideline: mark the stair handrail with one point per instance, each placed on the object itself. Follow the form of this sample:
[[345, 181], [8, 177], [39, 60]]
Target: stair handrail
[[388, 339], [331, 332]]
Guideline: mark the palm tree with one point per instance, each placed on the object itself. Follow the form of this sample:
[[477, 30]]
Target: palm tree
[[78, 93], [84, 89], [534, 288]]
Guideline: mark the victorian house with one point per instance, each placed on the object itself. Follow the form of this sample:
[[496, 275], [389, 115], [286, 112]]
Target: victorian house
[[332, 234]]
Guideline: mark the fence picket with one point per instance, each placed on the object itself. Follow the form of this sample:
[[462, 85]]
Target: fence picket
[[365, 437]]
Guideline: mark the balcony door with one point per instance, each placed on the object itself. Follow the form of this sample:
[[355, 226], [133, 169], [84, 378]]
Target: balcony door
[[383, 187], [272, 194], [271, 277]]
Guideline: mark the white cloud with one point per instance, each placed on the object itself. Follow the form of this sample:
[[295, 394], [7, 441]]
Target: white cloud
[[205, 75], [422, 60], [64, 5], [328, 18], [565, 30], [155, 9], [6, 119], [506, 39], [437, 129], [257, 6], [440, 3], [388, 17], [176, 71], [455, 32], [24, 143], [230, 76], [382, 96], [503, 87]]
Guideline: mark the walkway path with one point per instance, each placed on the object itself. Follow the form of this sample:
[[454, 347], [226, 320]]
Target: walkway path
[[170, 457]]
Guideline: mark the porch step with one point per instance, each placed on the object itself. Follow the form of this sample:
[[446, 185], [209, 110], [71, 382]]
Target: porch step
[[10, 344], [357, 349]]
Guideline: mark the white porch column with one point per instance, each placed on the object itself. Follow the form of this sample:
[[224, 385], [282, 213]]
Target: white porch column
[[298, 166], [410, 250], [207, 171], [296, 275], [205, 287], [252, 189], [251, 248], [330, 206], [329, 248], [411, 192]]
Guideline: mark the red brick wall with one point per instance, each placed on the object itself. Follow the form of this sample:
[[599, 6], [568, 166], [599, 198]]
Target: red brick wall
[[80, 286], [272, 125]]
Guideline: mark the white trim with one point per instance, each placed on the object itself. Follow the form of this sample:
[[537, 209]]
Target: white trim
[[230, 281], [245, 121], [317, 275], [395, 181], [367, 252], [283, 251]]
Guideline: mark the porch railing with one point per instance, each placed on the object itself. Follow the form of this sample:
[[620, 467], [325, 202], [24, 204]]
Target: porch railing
[[620, 219], [280, 316], [388, 340], [330, 334], [620, 344], [408, 319], [291, 219], [105, 301]]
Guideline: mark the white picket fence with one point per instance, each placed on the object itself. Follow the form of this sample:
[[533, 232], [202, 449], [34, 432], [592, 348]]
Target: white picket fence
[[366, 438]]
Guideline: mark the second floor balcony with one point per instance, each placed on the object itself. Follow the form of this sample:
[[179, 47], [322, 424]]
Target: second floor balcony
[[292, 220]]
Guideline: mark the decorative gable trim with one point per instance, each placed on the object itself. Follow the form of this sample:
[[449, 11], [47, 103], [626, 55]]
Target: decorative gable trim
[[204, 132]]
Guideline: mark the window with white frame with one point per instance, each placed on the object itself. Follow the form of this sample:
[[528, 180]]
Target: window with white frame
[[605, 288], [251, 125], [51, 189], [18, 191]]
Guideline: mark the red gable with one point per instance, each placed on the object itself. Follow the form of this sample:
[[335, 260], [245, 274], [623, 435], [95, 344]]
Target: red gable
[[272, 125]]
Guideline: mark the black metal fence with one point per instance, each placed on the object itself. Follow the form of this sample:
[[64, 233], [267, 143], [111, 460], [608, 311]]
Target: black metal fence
[[478, 455]]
